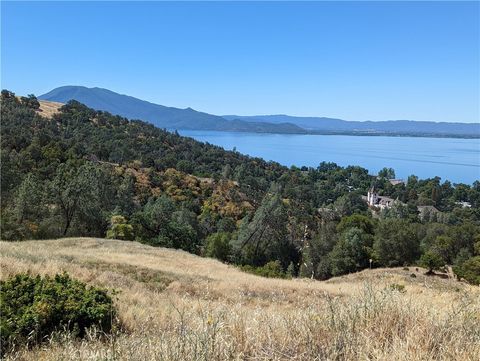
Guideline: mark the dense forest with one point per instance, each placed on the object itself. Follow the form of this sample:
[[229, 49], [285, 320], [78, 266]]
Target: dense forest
[[89, 173]]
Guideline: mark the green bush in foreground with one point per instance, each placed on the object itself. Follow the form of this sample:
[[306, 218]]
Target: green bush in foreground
[[31, 308]]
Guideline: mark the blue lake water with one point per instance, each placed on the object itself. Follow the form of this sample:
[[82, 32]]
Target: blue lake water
[[456, 160]]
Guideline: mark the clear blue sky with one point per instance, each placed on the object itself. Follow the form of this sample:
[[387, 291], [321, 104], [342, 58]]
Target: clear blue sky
[[352, 60]]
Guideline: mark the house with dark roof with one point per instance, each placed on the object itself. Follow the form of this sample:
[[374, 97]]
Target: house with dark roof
[[374, 200]]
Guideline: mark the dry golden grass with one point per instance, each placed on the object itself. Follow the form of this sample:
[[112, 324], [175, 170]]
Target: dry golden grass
[[48, 109], [176, 306]]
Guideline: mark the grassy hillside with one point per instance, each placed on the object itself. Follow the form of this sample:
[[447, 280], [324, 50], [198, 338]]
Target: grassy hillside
[[177, 306], [49, 109]]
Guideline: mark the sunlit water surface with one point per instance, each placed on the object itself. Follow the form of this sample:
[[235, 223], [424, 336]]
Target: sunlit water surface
[[457, 160]]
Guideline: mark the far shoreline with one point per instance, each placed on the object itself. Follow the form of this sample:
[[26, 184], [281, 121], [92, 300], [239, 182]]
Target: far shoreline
[[350, 134]]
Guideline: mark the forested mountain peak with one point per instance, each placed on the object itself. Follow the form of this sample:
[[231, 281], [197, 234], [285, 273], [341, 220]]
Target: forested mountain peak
[[159, 115]]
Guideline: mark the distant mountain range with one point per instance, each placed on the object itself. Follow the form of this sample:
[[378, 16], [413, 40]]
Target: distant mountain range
[[390, 126], [190, 119], [160, 115]]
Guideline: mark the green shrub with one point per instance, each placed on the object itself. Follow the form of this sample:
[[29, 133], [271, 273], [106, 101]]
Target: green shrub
[[272, 269], [397, 287], [469, 270], [120, 229], [32, 308], [30, 101], [432, 261], [291, 270], [217, 245]]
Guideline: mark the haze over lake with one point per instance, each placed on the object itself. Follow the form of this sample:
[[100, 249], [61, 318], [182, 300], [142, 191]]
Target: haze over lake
[[457, 160]]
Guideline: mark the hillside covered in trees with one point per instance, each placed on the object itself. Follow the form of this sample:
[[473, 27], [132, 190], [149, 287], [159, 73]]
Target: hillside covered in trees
[[88, 173]]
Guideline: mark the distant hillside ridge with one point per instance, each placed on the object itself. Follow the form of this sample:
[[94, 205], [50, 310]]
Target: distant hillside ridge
[[322, 124], [190, 119], [160, 115]]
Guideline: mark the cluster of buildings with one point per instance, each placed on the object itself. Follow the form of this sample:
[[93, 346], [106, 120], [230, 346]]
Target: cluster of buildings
[[381, 202], [374, 200], [378, 202]]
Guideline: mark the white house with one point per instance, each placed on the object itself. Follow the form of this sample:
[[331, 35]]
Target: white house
[[374, 200]]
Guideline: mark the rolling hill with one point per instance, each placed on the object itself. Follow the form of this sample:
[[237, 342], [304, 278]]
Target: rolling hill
[[176, 306]]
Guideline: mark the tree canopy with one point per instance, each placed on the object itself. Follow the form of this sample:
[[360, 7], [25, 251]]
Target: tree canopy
[[89, 173]]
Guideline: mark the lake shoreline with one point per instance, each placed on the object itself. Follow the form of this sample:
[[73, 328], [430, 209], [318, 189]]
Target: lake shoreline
[[453, 159], [352, 134]]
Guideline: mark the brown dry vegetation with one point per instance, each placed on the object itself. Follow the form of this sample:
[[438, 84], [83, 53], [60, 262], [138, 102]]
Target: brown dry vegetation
[[177, 306], [222, 197], [49, 109]]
